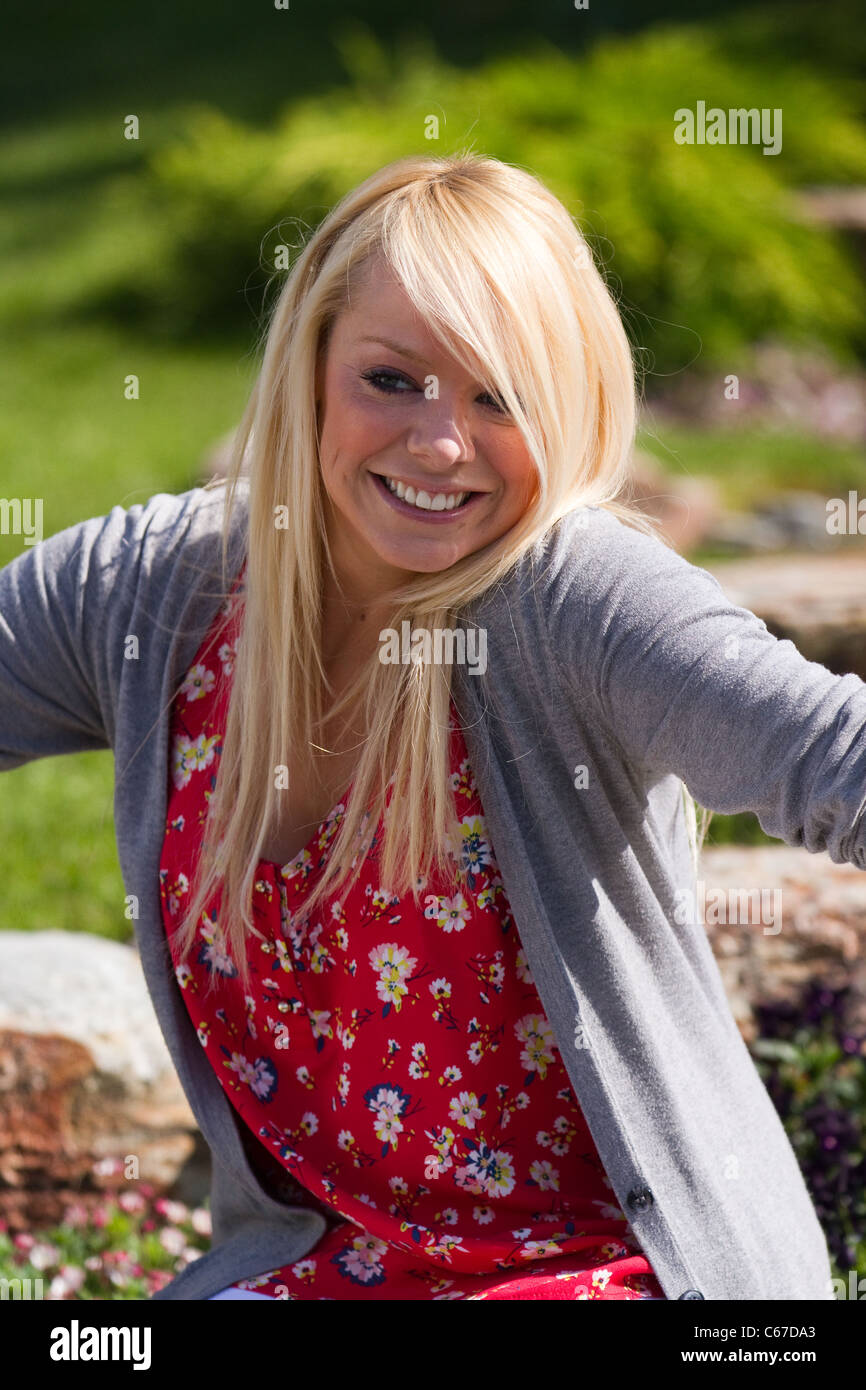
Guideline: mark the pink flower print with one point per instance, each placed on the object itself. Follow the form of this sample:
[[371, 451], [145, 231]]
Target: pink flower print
[[265, 1082], [543, 1174], [227, 654], [212, 954], [387, 1127], [466, 1108], [301, 864], [487, 1171], [560, 1140], [260, 1076], [321, 1028], [388, 1103], [361, 1260], [451, 914], [320, 959], [521, 968], [537, 1249], [199, 682]]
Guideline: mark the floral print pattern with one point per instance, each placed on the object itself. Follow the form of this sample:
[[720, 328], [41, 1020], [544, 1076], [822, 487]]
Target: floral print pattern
[[392, 1064]]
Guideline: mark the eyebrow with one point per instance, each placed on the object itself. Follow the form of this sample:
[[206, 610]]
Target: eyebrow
[[395, 347]]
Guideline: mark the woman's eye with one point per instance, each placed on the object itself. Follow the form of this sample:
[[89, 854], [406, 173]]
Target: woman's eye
[[384, 381], [388, 382]]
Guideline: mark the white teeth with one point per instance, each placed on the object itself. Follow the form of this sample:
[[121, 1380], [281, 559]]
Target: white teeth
[[439, 502]]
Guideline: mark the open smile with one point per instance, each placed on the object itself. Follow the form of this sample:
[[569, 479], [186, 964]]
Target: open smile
[[425, 506]]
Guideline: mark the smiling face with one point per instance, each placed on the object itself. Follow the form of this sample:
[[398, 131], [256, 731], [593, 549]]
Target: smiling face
[[376, 423]]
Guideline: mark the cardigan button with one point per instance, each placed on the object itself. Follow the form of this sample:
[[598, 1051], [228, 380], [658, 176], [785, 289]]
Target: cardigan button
[[693, 1293], [639, 1198]]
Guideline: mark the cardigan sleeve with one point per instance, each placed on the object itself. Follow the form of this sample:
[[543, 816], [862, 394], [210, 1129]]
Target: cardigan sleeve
[[691, 684], [63, 602]]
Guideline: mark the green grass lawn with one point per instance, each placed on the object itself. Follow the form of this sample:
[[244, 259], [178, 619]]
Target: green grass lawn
[[68, 435], [58, 860], [751, 465]]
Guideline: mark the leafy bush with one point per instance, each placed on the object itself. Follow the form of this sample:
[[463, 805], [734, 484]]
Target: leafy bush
[[705, 241]]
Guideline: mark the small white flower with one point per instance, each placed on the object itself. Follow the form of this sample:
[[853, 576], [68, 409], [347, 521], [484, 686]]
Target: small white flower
[[42, 1255], [172, 1240]]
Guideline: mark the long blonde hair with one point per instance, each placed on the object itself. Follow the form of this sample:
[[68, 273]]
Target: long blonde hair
[[494, 262]]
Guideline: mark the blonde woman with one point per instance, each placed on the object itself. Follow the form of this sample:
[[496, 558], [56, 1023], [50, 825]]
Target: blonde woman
[[408, 719]]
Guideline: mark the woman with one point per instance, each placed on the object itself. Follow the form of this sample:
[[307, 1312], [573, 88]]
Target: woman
[[422, 951]]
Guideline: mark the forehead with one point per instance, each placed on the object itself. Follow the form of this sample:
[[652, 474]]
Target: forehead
[[380, 312], [379, 301]]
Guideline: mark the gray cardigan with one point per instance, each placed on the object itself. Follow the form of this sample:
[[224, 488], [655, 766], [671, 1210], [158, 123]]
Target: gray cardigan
[[607, 652]]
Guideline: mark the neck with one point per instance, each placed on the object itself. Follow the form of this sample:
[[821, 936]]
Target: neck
[[350, 626]]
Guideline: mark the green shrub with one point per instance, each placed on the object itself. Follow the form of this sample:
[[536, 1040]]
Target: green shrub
[[704, 241]]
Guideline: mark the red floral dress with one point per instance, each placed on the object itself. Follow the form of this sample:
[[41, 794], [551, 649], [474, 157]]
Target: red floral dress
[[394, 1065]]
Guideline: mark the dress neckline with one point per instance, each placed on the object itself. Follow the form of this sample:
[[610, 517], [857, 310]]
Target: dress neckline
[[297, 859]]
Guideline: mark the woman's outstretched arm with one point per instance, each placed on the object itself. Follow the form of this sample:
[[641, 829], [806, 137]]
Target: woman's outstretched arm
[[689, 683]]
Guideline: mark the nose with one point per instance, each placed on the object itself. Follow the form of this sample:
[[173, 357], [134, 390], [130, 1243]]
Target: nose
[[440, 434]]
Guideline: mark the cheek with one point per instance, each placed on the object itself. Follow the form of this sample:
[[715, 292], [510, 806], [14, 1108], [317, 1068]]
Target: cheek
[[354, 431], [520, 477]]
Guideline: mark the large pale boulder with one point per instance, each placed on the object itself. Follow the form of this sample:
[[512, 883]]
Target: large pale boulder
[[85, 1076]]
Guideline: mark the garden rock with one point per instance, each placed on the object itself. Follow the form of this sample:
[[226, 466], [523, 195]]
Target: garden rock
[[85, 1077], [818, 934], [816, 601]]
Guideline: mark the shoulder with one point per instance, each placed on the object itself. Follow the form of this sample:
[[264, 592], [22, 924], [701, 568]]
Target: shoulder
[[169, 522], [585, 558], [589, 543], [591, 587], [159, 543], [139, 566]]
